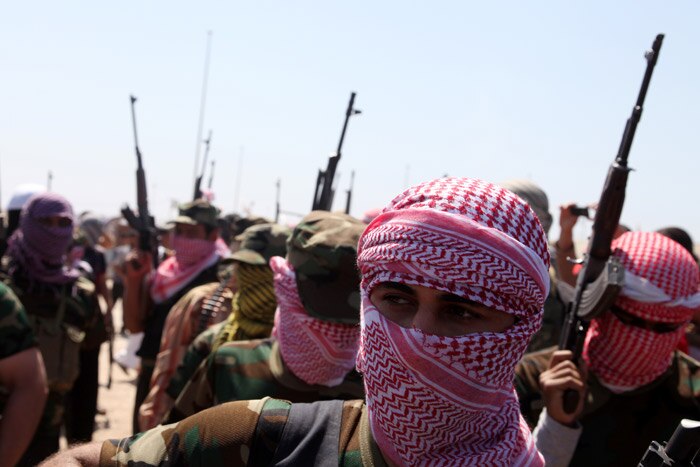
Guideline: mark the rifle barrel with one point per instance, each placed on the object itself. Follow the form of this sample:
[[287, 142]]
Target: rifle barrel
[[631, 127]]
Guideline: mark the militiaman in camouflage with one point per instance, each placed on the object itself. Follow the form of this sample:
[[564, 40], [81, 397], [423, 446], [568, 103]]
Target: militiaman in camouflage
[[249, 370], [248, 433]]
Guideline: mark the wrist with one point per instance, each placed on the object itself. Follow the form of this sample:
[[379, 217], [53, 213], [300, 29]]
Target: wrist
[[564, 245]]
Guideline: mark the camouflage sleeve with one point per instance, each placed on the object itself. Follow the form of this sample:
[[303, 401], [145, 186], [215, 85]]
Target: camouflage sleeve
[[197, 394], [220, 436], [16, 333], [197, 351]]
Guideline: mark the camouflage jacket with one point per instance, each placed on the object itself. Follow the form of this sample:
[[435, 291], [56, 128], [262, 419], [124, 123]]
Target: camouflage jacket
[[179, 331], [196, 353], [15, 331], [249, 370], [617, 428], [210, 438]]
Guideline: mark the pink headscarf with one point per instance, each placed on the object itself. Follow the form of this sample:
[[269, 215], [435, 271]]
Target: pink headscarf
[[192, 256], [317, 352], [661, 285], [437, 400]]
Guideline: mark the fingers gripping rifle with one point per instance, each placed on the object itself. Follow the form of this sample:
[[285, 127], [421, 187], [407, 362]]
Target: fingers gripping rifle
[[323, 194], [602, 276], [144, 223]]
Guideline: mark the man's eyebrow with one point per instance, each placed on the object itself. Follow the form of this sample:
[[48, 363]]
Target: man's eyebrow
[[397, 286], [452, 298]]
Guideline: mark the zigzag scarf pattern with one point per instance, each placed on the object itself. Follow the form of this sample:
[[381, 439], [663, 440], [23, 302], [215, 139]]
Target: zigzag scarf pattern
[[437, 400], [317, 352], [625, 357], [442, 416]]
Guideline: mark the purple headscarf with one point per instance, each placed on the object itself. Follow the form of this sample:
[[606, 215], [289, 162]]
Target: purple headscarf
[[40, 250]]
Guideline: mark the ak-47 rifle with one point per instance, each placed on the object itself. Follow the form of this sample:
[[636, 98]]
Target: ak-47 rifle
[[324, 192], [602, 275], [682, 450], [198, 181], [144, 223]]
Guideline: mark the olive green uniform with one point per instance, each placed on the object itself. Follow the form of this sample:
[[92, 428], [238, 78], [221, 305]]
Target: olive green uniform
[[249, 370], [210, 438]]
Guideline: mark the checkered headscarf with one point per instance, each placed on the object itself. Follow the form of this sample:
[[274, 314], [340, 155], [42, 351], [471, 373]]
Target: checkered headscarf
[[450, 400], [316, 352], [661, 285]]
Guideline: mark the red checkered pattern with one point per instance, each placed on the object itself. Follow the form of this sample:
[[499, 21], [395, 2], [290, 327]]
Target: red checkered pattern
[[192, 256], [437, 400], [626, 357], [317, 352]]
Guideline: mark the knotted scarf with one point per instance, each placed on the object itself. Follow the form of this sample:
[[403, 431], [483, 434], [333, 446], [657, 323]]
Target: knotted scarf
[[436, 400], [192, 256], [253, 306], [661, 285], [317, 352], [38, 250]]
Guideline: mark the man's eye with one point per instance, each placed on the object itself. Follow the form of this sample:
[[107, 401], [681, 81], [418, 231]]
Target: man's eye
[[396, 299], [462, 312]]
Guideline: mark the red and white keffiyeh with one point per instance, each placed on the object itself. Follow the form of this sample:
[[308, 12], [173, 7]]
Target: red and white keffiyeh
[[435, 400], [192, 256], [317, 352], [661, 285]]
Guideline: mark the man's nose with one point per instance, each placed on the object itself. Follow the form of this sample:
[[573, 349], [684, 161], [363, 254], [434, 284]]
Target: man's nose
[[426, 319]]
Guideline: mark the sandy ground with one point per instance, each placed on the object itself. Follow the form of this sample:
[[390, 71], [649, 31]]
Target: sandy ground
[[117, 401]]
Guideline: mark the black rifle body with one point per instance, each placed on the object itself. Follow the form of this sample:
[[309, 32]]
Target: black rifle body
[[324, 192], [143, 223], [607, 218]]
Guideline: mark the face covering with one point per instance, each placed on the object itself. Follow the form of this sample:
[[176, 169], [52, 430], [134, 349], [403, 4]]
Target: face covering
[[40, 250], [192, 256], [661, 286], [253, 306], [435, 400], [317, 352]]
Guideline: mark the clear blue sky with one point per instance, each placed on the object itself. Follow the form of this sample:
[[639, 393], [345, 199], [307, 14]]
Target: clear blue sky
[[494, 90]]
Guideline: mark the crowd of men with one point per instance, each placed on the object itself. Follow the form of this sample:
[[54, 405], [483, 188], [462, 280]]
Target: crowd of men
[[424, 334]]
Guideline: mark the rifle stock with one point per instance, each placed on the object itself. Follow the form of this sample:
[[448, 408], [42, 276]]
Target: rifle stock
[[602, 277]]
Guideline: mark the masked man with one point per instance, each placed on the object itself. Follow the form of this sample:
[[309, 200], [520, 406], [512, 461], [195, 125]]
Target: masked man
[[639, 386], [454, 278], [148, 296], [311, 355]]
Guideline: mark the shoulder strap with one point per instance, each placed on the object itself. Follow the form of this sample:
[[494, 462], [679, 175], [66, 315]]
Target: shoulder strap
[[310, 435]]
